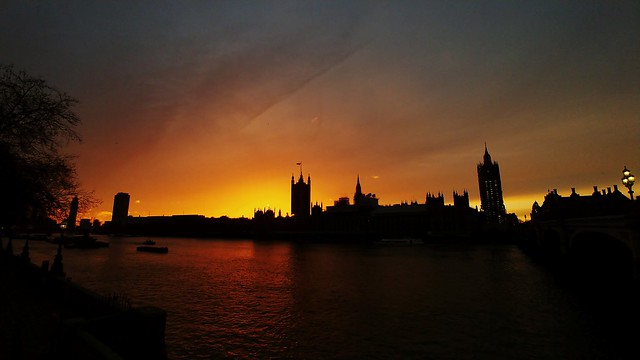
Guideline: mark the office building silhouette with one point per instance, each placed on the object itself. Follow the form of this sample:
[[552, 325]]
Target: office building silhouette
[[73, 213], [120, 208]]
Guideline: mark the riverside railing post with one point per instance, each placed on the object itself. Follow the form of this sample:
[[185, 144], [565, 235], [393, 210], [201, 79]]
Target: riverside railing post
[[25, 251], [9, 249]]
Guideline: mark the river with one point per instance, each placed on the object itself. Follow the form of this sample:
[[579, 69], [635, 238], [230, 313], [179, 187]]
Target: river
[[256, 299]]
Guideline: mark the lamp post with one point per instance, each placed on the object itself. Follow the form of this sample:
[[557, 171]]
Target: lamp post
[[627, 180], [56, 267]]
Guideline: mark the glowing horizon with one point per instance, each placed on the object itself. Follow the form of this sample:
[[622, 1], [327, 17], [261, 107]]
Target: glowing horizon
[[239, 201]]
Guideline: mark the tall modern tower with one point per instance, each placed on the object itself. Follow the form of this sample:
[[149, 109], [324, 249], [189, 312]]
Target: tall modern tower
[[491, 201], [301, 196], [120, 208], [73, 213]]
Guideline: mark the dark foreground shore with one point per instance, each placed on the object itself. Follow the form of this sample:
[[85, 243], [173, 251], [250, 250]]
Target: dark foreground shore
[[28, 321], [44, 315]]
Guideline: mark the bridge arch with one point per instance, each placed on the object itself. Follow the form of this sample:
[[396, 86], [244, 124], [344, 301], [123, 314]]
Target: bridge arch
[[553, 242], [601, 257]]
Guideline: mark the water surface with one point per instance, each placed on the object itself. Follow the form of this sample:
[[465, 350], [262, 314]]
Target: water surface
[[246, 299]]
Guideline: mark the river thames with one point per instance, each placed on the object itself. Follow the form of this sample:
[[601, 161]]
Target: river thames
[[256, 299]]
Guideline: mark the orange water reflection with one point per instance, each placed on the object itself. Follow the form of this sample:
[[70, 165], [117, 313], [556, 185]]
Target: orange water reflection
[[242, 291]]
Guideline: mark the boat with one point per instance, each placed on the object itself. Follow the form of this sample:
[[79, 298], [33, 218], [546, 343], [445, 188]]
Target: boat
[[148, 242], [153, 249], [399, 241]]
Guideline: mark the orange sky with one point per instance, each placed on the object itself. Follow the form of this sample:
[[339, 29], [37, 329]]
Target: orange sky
[[207, 108]]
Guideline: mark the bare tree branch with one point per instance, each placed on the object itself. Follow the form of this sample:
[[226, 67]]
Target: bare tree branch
[[36, 120]]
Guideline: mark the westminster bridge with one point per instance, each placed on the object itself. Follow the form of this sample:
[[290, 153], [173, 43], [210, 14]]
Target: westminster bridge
[[601, 247]]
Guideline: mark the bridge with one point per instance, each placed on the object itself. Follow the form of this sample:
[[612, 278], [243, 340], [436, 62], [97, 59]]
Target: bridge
[[605, 247]]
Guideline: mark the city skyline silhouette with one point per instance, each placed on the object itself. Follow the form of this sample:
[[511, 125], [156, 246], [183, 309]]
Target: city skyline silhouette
[[302, 204]]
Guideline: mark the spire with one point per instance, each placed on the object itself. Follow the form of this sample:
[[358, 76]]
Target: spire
[[358, 194], [301, 179], [487, 157]]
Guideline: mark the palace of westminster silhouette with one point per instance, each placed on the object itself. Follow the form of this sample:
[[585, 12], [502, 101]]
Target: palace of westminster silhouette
[[363, 216], [492, 203]]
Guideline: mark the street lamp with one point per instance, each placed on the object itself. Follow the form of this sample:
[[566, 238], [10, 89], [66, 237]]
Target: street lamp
[[57, 267], [627, 180], [63, 226]]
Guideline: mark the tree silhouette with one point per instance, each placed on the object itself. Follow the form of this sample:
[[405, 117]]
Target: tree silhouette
[[37, 180]]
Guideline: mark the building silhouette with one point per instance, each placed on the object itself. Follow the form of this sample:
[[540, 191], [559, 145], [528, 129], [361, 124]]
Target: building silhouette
[[364, 219], [301, 196], [73, 213], [360, 199], [435, 201], [599, 203], [120, 208], [461, 201], [491, 202]]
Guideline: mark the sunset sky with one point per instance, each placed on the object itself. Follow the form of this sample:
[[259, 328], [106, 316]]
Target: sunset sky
[[206, 107]]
